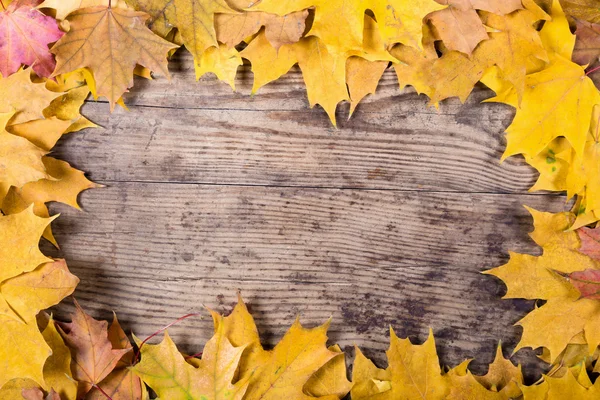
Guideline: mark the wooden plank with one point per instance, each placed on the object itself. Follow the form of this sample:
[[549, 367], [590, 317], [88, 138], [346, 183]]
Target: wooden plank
[[456, 150], [369, 258]]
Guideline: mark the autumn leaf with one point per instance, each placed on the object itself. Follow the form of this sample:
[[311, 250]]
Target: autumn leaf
[[331, 379], [122, 383], [25, 34], [536, 123], [57, 369], [586, 10], [502, 382], [29, 282], [413, 372], [460, 27], [20, 160], [93, 355], [232, 29], [533, 277], [118, 41], [194, 19], [27, 100], [573, 385], [399, 21], [513, 46], [587, 47], [65, 7], [165, 370]]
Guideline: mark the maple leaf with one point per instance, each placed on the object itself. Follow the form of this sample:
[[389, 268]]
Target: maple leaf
[[122, 383], [513, 45], [221, 61], [30, 282], [324, 72], [194, 19], [459, 25], [25, 34], [232, 29], [57, 369], [500, 383], [587, 47], [399, 21], [590, 242], [64, 187], [118, 41], [533, 277], [413, 372], [93, 355], [20, 160], [573, 385], [65, 7], [562, 169], [165, 370], [284, 371], [582, 9], [23, 97], [562, 85], [331, 379]]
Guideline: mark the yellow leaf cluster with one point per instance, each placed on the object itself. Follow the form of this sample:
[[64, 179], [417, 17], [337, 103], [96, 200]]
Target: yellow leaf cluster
[[234, 365], [565, 318], [33, 117], [29, 283]]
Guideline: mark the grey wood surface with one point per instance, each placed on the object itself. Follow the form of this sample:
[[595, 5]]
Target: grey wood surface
[[387, 220]]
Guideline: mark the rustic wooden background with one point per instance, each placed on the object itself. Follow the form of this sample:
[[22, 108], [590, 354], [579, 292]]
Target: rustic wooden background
[[387, 220]]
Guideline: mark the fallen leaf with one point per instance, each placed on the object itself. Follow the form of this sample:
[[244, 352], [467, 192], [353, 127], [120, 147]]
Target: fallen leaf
[[93, 355], [582, 9], [119, 41], [232, 29], [25, 99], [165, 370], [587, 47], [541, 277], [25, 34]]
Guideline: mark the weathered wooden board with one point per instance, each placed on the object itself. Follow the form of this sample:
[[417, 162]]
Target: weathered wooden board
[[388, 220], [368, 258]]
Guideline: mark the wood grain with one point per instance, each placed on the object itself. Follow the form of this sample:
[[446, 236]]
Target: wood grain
[[368, 258], [388, 220]]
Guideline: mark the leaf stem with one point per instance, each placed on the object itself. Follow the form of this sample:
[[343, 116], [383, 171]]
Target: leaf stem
[[4, 8], [98, 387], [194, 355], [137, 353], [591, 71], [109, 3]]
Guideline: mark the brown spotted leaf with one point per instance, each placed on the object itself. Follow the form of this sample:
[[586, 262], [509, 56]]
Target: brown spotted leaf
[[93, 355]]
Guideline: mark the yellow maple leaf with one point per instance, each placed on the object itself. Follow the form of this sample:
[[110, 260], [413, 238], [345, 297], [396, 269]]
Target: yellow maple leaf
[[165, 370], [399, 21], [573, 385], [27, 100], [221, 61], [29, 282], [564, 315], [65, 7], [413, 373], [513, 45], [557, 101], [500, 383], [57, 369], [232, 29], [331, 379], [118, 41], [194, 19], [20, 160]]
